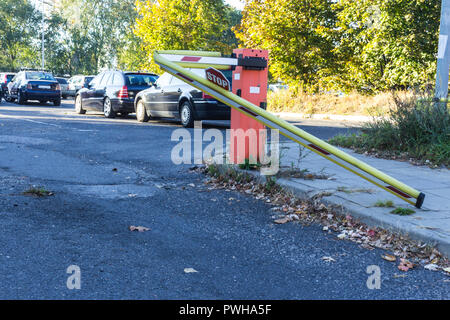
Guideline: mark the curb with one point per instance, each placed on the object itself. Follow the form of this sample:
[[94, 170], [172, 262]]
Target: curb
[[430, 237]]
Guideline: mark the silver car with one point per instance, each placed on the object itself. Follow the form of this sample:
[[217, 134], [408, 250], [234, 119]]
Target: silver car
[[64, 87], [78, 82]]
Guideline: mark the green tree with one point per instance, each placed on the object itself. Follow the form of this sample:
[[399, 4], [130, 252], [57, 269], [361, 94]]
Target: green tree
[[18, 21], [299, 35], [184, 25], [97, 31], [386, 44]]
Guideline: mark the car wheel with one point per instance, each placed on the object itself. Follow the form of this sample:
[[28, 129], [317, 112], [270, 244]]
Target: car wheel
[[141, 114], [78, 106], [57, 103], [107, 108], [20, 98], [9, 99], [187, 115]]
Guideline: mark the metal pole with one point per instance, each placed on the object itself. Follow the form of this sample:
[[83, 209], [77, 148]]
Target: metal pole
[[443, 56], [43, 49]]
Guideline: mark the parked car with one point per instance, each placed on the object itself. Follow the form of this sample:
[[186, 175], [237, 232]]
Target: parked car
[[171, 97], [78, 82], [5, 78], [34, 85], [64, 87], [113, 92], [275, 87]]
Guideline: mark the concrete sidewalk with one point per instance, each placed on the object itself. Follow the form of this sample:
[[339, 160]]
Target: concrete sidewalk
[[430, 224]]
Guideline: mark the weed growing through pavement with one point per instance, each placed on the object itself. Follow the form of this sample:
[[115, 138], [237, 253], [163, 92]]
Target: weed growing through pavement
[[402, 211], [384, 204], [38, 192]]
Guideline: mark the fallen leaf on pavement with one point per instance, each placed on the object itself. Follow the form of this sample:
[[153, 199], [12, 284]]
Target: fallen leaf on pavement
[[138, 228], [389, 257], [371, 233], [405, 265], [399, 276], [432, 267], [281, 221], [328, 259], [342, 236], [190, 270]]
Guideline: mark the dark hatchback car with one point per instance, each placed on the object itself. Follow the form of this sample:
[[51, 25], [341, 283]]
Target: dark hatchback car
[[174, 98], [5, 78], [113, 92], [35, 85]]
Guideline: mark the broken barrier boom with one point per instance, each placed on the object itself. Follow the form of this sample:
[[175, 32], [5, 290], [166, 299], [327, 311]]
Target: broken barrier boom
[[175, 62]]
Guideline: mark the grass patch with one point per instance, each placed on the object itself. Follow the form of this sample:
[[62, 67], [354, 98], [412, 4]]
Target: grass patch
[[349, 191], [417, 128], [38, 192], [328, 103], [248, 165], [293, 172], [402, 211], [384, 204]]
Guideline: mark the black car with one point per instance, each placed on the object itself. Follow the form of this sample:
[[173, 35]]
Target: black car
[[5, 78], [113, 92], [34, 85], [174, 98]]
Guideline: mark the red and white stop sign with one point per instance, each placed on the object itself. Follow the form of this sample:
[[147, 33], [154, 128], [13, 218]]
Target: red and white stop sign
[[217, 77]]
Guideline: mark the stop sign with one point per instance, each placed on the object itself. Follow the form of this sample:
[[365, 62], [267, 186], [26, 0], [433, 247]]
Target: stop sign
[[217, 77]]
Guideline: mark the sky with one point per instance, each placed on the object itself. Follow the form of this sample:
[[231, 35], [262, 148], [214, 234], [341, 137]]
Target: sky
[[238, 4]]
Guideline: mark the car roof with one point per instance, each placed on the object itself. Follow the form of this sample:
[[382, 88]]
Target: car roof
[[140, 72]]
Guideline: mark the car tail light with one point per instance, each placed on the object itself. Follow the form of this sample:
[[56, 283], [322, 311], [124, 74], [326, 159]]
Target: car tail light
[[5, 80], [29, 86], [123, 93], [206, 96]]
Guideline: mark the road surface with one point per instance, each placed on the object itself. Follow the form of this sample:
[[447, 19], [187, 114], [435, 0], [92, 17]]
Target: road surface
[[109, 174]]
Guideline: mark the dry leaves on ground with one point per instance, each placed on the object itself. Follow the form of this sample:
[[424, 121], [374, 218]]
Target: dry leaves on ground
[[405, 265], [138, 228], [331, 218]]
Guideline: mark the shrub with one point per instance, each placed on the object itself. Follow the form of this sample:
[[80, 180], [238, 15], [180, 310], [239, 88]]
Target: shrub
[[416, 126]]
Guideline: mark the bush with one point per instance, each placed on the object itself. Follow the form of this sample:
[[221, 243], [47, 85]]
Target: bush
[[418, 127]]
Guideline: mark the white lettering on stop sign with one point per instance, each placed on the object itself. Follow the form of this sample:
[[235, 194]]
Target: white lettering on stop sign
[[217, 77]]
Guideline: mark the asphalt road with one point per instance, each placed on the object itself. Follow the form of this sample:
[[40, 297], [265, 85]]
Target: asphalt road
[[109, 174]]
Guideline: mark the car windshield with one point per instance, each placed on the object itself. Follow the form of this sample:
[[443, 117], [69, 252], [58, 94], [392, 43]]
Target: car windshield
[[62, 81], [39, 76], [88, 79], [140, 79], [9, 77]]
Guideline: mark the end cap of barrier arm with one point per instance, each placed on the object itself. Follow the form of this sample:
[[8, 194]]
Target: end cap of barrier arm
[[420, 200]]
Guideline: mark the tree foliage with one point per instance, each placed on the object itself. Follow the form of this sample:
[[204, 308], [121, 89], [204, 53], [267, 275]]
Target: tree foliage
[[18, 20], [367, 45], [386, 44], [97, 31], [298, 34], [184, 25]]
